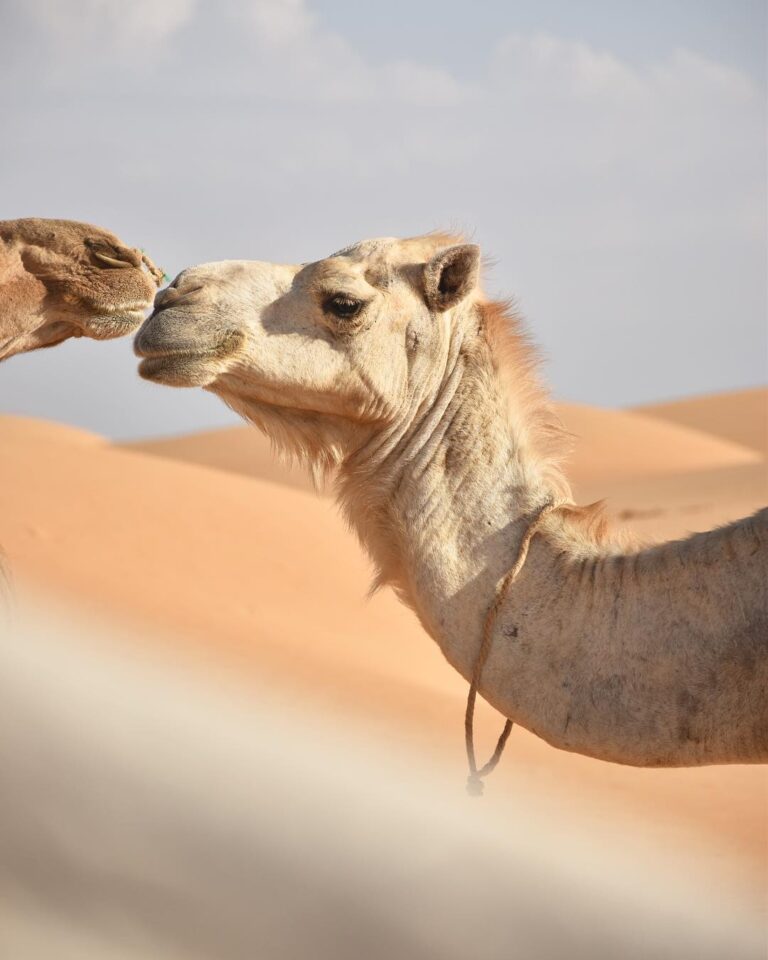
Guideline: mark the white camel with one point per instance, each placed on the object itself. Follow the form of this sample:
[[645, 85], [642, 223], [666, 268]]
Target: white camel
[[386, 362]]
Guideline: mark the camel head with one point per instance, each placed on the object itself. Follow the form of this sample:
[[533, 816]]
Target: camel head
[[320, 355], [61, 279]]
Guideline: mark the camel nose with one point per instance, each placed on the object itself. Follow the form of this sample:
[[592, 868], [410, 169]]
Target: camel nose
[[114, 255], [176, 294], [175, 324]]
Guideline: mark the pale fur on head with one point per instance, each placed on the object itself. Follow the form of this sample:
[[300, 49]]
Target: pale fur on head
[[534, 423]]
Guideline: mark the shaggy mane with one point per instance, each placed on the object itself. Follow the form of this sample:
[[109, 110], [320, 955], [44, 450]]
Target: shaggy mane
[[539, 431]]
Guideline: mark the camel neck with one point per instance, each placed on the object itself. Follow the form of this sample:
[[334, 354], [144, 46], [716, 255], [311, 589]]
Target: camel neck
[[442, 502], [21, 313]]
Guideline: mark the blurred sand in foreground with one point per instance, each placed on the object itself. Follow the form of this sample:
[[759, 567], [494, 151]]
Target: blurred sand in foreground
[[147, 814]]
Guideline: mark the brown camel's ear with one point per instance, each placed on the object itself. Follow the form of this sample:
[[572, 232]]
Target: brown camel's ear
[[450, 275]]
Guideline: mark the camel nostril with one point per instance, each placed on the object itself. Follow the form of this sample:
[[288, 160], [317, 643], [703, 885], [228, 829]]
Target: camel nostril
[[172, 296], [164, 298], [134, 257], [111, 255], [110, 261]]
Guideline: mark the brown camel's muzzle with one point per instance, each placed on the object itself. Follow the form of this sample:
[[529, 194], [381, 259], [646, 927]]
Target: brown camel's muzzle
[[113, 300]]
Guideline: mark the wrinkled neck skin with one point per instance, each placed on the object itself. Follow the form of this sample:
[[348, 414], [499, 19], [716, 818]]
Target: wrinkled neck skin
[[442, 499], [23, 325], [21, 334], [653, 658]]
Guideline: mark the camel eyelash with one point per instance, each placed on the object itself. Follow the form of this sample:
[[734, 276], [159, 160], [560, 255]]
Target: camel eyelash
[[343, 306]]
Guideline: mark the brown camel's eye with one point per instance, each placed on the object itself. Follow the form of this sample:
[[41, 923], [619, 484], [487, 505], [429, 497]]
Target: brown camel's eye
[[342, 306]]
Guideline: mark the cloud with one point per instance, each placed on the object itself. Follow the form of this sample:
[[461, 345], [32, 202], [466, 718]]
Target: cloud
[[660, 133], [553, 68], [276, 49], [558, 80], [121, 25], [578, 72], [304, 60], [282, 23]]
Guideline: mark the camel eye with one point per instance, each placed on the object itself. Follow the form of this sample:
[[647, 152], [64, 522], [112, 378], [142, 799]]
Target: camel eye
[[342, 306]]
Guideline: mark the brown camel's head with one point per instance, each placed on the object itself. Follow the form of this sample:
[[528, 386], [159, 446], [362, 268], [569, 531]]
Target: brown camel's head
[[61, 279], [325, 354]]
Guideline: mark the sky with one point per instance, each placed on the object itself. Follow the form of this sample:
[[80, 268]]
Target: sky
[[609, 156]]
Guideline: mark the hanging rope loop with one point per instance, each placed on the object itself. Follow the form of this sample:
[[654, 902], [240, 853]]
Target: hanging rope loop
[[475, 778]]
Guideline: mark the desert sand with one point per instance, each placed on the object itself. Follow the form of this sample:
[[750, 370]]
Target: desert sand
[[208, 543], [741, 416]]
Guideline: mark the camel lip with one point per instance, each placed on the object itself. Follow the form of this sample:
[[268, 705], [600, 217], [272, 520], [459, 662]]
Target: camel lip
[[96, 308], [108, 324], [220, 350], [133, 306], [178, 369], [175, 356], [178, 353], [132, 311]]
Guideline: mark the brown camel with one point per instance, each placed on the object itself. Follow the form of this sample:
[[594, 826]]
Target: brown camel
[[61, 279]]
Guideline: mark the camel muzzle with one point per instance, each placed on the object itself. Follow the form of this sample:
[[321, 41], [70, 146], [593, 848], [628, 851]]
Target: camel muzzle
[[179, 345], [171, 328]]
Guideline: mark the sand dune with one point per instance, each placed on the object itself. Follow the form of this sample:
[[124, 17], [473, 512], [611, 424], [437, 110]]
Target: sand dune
[[607, 444], [243, 450], [740, 416], [617, 445], [260, 582], [673, 505], [32, 430]]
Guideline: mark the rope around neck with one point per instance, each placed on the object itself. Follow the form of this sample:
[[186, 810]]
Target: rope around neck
[[475, 778]]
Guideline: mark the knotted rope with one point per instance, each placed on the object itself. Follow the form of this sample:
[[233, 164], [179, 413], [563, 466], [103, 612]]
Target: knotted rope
[[475, 778], [157, 272]]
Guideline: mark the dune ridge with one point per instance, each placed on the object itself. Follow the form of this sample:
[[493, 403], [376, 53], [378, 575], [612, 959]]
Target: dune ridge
[[740, 415]]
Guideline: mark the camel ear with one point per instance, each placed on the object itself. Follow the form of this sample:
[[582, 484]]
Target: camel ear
[[451, 275]]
